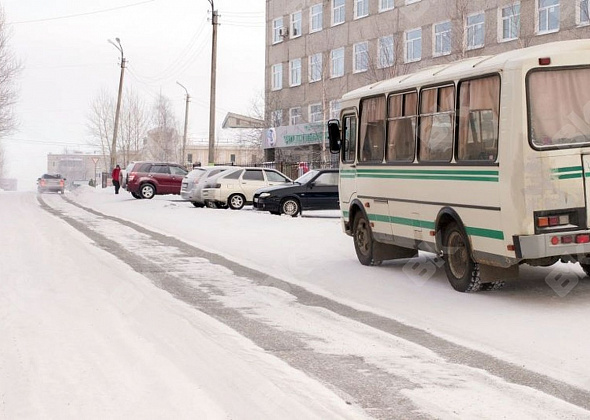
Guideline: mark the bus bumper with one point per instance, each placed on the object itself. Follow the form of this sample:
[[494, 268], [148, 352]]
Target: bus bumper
[[552, 245]]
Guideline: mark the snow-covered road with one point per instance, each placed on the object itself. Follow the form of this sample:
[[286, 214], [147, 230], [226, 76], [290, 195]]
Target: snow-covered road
[[312, 334]]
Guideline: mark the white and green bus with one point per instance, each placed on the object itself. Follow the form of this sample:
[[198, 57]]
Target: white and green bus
[[485, 161]]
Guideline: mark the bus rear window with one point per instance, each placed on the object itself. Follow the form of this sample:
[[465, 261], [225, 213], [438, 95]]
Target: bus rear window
[[559, 107]]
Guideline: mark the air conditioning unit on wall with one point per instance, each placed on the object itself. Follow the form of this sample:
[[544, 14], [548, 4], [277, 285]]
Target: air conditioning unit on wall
[[284, 31]]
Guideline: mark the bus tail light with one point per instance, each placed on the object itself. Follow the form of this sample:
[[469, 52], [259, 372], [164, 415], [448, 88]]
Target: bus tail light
[[583, 239], [551, 221]]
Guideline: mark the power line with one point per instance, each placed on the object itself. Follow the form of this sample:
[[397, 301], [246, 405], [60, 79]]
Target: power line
[[82, 14]]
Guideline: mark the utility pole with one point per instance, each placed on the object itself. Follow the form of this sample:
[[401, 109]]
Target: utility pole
[[213, 81], [116, 129], [185, 124]]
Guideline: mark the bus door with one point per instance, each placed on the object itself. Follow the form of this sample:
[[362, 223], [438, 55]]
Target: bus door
[[347, 184]]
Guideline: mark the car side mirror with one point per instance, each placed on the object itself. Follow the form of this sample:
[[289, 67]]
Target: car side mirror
[[334, 136]]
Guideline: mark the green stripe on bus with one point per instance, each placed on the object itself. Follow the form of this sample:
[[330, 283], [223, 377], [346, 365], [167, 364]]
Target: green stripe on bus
[[570, 176], [567, 169], [473, 231], [428, 171], [431, 177]]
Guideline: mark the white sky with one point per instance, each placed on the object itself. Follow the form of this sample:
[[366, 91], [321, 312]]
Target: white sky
[[67, 61]]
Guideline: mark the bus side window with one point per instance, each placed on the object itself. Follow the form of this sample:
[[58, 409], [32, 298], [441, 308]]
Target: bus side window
[[349, 138], [401, 127], [437, 124], [479, 104], [372, 140]]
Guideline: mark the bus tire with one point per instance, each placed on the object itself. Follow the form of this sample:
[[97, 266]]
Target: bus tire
[[363, 241], [461, 270], [586, 268]]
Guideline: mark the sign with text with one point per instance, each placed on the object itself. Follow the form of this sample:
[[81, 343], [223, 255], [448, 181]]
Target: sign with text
[[294, 135]]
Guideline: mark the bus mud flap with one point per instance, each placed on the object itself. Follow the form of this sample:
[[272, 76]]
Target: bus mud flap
[[382, 252], [490, 273]]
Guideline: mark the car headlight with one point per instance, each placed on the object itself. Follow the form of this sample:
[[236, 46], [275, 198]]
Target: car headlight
[[264, 195]]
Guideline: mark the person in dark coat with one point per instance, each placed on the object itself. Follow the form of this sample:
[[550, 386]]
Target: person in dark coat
[[115, 175]]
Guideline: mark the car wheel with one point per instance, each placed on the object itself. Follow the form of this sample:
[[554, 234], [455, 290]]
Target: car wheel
[[290, 207], [194, 203], [135, 195], [236, 201], [147, 191], [462, 271], [363, 241]]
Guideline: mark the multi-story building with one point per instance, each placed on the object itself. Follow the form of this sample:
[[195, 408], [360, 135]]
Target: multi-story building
[[316, 50]]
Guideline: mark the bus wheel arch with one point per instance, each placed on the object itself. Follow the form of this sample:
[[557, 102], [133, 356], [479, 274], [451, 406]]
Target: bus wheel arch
[[452, 239], [362, 235]]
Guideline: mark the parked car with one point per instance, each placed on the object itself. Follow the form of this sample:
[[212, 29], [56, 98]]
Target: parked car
[[315, 190], [146, 179], [193, 183], [123, 174], [236, 187], [51, 183]]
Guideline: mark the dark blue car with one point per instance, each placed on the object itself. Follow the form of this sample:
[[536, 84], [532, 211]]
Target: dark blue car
[[315, 190]]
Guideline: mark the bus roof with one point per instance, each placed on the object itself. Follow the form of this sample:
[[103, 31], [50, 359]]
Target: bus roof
[[473, 66]]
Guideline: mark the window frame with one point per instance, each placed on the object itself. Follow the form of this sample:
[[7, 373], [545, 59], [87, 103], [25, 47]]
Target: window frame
[[338, 60], [360, 60], [295, 72], [386, 8], [313, 16], [276, 30], [435, 37], [311, 113], [296, 25], [539, 10], [389, 119], [412, 41], [502, 20], [471, 31], [364, 4], [315, 68], [338, 11], [421, 116], [387, 60], [298, 116], [276, 77], [346, 152], [580, 16]]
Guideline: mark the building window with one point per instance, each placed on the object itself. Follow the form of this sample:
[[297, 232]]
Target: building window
[[315, 67], [412, 1], [510, 16], [361, 57], [295, 116], [413, 45], [276, 118], [338, 12], [475, 31], [337, 58], [316, 17], [583, 12], [316, 113], [385, 5], [361, 8], [548, 12], [442, 38], [335, 108], [385, 55], [295, 72], [296, 24], [277, 26], [277, 76]]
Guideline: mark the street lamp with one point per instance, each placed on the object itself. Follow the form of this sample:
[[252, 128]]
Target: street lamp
[[116, 129], [185, 123], [213, 77]]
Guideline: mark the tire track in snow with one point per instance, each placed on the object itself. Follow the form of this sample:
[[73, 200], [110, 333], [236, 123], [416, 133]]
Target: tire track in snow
[[215, 285]]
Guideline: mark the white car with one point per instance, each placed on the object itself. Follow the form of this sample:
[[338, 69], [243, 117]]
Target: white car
[[193, 183], [235, 188]]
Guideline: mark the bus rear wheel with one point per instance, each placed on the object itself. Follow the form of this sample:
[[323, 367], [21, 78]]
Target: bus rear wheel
[[363, 241], [461, 270]]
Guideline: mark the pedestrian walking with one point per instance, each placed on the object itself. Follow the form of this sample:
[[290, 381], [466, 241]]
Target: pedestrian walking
[[115, 175]]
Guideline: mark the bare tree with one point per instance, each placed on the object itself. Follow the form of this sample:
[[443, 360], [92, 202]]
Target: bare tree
[[163, 141], [100, 122], [10, 67], [134, 125]]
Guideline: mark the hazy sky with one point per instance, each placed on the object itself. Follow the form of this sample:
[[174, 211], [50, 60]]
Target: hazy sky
[[68, 61]]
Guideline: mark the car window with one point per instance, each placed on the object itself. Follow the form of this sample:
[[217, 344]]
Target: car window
[[233, 175], [273, 176], [143, 167], [176, 170], [253, 175], [196, 173], [215, 172], [160, 169], [326, 179]]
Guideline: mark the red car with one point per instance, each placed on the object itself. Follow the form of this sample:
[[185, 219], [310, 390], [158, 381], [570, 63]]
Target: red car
[[147, 179]]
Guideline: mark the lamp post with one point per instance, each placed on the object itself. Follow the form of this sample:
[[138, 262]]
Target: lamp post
[[116, 129], [185, 123], [213, 80]]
